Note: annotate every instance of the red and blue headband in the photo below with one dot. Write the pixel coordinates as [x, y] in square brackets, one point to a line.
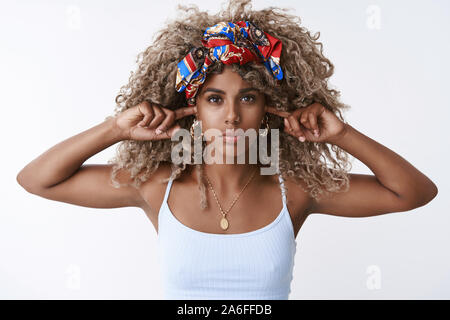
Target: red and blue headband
[228, 42]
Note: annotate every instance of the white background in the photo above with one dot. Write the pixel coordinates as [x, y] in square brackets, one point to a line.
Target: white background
[62, 64]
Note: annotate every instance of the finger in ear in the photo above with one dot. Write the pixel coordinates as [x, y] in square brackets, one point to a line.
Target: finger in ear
[304, 120]
[296, 127]
[313, 123]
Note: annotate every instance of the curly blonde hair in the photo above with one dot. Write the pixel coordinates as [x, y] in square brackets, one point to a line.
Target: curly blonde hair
[306, 72]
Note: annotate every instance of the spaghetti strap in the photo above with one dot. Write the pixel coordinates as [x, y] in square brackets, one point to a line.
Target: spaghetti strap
[168, 187]
[283, 189]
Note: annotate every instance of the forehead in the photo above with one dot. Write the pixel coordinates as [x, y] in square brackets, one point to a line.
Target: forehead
[228, 80]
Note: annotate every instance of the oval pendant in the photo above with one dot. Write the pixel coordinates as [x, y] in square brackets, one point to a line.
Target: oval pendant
[224, 223]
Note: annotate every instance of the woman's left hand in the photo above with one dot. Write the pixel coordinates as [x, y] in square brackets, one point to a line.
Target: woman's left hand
[313, 123]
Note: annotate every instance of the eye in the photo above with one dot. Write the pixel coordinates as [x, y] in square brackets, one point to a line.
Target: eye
[212, 97]
[216, 99]
[251, 98]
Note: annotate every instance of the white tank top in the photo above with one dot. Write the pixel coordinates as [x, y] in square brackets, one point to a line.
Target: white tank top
[250, 265]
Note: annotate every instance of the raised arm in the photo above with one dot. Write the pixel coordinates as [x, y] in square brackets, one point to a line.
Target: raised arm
[395, 186]
[59, 174]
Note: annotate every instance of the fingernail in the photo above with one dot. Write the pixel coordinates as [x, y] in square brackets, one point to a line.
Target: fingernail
[158, 131]
[316, 133]
[302, 139]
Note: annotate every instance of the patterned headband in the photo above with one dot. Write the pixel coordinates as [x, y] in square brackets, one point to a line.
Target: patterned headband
[228, 42]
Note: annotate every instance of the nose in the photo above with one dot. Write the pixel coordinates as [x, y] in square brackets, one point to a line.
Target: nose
[232, 113]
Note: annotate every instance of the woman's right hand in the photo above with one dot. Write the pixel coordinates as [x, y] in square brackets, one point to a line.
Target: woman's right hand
[143, 121]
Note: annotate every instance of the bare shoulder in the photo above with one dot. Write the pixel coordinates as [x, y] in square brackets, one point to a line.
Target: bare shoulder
[299, 201]
[152, 190]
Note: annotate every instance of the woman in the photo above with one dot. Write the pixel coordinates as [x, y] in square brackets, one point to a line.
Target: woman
[226, 230]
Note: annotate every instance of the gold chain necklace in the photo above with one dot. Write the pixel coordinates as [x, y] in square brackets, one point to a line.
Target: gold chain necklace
[224, 224]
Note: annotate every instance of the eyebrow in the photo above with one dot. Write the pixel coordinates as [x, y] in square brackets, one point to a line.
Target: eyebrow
[222, 92]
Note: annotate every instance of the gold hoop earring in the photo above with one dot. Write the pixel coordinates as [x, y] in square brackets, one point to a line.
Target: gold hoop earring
[267, 127]
[194, 124]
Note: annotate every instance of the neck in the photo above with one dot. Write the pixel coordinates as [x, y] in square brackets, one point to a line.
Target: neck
[229, 179]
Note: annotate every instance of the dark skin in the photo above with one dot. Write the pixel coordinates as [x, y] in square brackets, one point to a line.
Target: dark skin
[395, 186]
[59, 174]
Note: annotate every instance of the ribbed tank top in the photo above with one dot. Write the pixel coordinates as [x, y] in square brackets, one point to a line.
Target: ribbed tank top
[243, 266]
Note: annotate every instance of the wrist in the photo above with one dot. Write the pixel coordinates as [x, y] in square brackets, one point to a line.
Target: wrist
[342, 136]
[116, 132]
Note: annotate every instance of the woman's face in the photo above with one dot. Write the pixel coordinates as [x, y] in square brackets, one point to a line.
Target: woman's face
[226, 101]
